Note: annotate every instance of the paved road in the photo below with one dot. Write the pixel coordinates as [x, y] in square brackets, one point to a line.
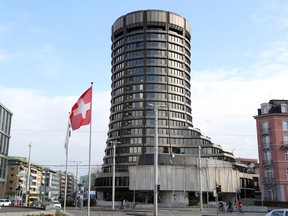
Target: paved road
[149, 212]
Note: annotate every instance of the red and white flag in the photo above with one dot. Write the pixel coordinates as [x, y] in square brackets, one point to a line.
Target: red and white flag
[81, 111]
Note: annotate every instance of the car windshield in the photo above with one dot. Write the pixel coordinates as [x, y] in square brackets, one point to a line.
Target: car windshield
[55, 201]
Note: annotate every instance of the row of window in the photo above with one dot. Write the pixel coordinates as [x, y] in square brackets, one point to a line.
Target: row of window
[268, 157]
[138, 150]
[152, 78]
[150, 44]
[159, 36]
[265, 126]
[5, 120]
[151, 122]
[119, 181]
[154, 70]
[267, 143]
[150, 113]
[161, 131]
[140, 104]
[151, 61]
[159, 96]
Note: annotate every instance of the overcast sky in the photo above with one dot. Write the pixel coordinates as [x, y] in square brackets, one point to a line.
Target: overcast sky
[50, 52]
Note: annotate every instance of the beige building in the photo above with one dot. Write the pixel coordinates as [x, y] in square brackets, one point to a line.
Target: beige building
[70, 185]
[16, 178]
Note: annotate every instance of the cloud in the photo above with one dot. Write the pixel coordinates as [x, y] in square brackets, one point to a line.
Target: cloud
[272, 15]
[43, 120]
[225, 100]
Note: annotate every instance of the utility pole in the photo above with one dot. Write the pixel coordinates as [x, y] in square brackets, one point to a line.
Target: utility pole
[114, 143]
[28, 177]
[200, 180]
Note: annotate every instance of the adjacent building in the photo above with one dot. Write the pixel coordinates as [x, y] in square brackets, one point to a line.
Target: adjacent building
[44, 183]
[70, 193]
[272, 134]
[5, 128]
[151, 95]
[50, 188]
[17, 181]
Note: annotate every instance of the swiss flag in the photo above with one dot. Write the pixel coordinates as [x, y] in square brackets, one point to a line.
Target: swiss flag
[81, 111]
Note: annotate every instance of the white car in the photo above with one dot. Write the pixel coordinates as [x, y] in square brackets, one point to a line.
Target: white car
[278, 212]
[5, 202]
[56, 203]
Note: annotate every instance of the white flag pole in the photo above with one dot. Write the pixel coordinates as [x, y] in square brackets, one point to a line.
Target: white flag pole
[66, 164]
[89, 167]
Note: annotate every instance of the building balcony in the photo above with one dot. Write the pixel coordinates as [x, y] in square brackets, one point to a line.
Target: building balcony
[267, 162]
[266, 146]
[284, 145]
[268, 180]
[264, 130]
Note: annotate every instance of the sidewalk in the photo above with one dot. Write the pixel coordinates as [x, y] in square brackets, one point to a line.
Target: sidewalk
[150, 212]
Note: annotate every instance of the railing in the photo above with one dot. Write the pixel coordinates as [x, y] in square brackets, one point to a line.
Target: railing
[264, 130]
[266, 145]
[268, 180]
[267, 162]
[284, 144]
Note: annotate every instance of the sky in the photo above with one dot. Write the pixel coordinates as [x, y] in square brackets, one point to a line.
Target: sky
[51, 51]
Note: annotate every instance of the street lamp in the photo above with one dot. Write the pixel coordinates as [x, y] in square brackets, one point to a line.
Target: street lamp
[113, 171]
[200, 179]
[28, 176]
[156, 158]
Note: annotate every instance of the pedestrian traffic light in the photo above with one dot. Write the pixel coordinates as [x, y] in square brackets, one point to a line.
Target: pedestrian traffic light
[158, 188]
[218, 189]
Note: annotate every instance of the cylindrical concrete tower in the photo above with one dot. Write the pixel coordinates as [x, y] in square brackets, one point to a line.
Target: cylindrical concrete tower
[150, 65]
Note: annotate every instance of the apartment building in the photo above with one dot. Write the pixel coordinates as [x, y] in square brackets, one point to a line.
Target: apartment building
[16, 178]
[272, 135]
[70, 185]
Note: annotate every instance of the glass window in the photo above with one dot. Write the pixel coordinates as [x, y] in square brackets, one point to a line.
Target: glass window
[285, 139]
[156, 53]
[284, 108]
[285, 125]
[286, 155]
[278, 213]
[266, 141]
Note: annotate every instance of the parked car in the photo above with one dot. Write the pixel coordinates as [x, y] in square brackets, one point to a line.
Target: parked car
[56, 204]
[5, 202]
[278, 212]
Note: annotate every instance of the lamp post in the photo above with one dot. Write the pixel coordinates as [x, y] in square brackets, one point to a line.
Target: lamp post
[200, 179]
[156, 158]
[28, 176]
[113, 171]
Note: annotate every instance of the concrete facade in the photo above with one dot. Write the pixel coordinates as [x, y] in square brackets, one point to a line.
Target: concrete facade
[5, 129]
[151, 65]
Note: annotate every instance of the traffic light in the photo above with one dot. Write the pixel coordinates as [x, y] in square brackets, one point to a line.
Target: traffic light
[218, 189]
[158, 188]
